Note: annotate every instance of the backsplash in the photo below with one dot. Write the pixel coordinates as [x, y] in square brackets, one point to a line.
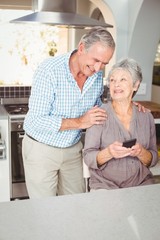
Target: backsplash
[15, 92]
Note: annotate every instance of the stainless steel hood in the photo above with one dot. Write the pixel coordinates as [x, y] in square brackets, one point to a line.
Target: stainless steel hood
[61, 13]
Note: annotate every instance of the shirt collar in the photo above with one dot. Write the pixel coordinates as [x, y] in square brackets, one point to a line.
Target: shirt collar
[70, 77]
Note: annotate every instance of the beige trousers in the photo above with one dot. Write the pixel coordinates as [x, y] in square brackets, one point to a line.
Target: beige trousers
[51, 171]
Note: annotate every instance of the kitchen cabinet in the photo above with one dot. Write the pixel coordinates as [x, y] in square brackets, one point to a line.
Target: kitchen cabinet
[154, 108]
[4, 158]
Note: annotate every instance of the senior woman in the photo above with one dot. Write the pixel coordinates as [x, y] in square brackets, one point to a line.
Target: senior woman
[112, 165]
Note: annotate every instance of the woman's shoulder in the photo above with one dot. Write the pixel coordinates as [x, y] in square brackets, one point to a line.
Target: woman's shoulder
[106, 105]
[144, 115]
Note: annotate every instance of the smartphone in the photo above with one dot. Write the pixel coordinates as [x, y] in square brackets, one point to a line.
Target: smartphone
[129, 143]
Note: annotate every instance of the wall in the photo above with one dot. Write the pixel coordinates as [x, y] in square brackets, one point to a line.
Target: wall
[156, 94]
[144, 42]
[108, 18]
[87, 8]
[15, 91]
[138, 33]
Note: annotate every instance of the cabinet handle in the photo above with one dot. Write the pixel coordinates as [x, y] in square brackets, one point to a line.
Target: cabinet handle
[2, 149]
[21, 135]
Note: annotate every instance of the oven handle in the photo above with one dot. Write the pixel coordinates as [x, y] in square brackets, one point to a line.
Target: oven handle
[21, 135]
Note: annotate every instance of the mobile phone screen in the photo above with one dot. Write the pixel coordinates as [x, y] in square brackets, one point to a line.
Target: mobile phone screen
[129, 143]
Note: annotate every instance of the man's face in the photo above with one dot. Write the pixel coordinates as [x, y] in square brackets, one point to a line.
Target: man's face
[94, 59]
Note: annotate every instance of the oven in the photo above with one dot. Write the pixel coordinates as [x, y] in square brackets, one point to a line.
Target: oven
[17, 112]
[18, 186]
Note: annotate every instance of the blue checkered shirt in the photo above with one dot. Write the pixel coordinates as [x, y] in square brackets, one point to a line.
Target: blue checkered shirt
[55, 95]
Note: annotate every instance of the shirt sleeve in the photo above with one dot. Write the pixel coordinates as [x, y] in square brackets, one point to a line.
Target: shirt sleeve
[99, 101]
[152, 143]
[92, 145]
[41, 102]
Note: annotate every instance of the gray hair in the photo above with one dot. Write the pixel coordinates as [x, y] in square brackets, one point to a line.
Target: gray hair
[129, 65]
[98, 34]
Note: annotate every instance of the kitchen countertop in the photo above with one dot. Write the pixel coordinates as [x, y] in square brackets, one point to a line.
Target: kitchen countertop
[123, 214]
[3, 101]
[154, 107]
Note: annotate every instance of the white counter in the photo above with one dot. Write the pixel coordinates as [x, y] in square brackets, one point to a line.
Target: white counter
[125, 214]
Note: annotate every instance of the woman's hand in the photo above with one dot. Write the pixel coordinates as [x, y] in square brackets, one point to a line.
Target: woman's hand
[142, 154]
[136, 150]
[114, 150]
[117, 151]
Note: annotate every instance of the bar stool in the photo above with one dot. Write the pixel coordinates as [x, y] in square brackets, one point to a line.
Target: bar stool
[86, 175]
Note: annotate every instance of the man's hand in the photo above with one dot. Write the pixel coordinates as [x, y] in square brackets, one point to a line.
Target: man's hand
[140, 107]
[95, 115]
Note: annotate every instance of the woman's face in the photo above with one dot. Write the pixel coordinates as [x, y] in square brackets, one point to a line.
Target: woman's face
[94, 59]
[121, 85]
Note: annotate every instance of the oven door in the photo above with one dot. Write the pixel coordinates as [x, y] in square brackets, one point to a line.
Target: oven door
[19, 190]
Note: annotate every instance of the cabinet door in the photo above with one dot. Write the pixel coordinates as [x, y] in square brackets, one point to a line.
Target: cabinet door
[4, 161]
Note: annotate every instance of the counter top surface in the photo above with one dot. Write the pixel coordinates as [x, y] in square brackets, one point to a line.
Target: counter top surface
[154, 107]
[123, 214]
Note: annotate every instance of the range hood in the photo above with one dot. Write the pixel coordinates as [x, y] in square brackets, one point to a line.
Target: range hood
[61, 13]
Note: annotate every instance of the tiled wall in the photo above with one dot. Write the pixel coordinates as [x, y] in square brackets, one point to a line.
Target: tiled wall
[15, 92]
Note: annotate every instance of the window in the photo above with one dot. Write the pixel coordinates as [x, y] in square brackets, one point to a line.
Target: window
[24, 46]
